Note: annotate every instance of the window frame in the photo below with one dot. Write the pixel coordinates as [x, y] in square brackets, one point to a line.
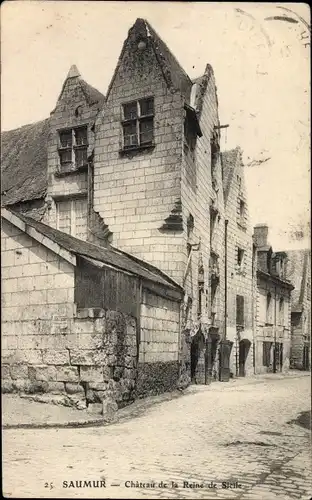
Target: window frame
[137, 121]
[72, 164]
[73, 214]
[240, 266]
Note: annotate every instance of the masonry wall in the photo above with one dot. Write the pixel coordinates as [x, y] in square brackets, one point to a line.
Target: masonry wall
[239, 281]
[198, 195]
[272, 327]
[135, 192]
[158, 368]
[65, 115]
[47, 347]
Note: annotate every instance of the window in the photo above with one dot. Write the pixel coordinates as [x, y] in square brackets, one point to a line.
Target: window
[239, 310]
[269, 309]
[281, 311]
[213, 222]
[241, 213]
[240, 259]
[189, 134]
[215, 151]
[73, 149]
[138, 123]
[72, 217]
[266, 358]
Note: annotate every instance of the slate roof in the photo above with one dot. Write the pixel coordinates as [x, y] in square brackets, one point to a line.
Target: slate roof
[110, 255]
[24, 163]
[297, 267]
[24, 156]
[228, 161]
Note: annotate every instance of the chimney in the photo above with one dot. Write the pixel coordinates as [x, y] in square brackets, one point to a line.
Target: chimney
[261, 235]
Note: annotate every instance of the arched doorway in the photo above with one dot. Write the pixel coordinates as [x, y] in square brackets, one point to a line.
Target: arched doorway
[244, 347]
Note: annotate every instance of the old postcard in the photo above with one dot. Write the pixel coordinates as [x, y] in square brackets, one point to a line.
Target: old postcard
[155, 250]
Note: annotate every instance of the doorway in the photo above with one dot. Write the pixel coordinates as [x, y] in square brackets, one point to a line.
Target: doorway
[244, 347]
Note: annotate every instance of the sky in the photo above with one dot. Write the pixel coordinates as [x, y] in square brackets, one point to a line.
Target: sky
[261, 66]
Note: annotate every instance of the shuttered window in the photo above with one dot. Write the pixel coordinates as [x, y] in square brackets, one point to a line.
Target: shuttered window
[72, 217]
[239, 310]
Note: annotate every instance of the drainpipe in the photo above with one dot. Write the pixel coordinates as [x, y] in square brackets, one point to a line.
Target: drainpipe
[225, 275]
[274, 326]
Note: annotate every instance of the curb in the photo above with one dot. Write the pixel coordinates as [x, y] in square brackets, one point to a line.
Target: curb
[133, 411]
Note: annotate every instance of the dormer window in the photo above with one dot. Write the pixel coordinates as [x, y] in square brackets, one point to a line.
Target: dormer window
[73, 148]
[138, 123]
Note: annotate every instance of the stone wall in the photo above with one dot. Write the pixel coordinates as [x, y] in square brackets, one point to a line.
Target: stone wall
[48, 347]
[135, 192]
[196, 200]
[64, 116]
[158, 369]
[239, 281]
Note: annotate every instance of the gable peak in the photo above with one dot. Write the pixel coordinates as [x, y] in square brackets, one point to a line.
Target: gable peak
[73, 72]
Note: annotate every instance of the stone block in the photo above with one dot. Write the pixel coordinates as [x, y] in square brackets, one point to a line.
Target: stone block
[98, 386]
[66, 374]
[5, 372]
[36, 387]
[72, 388]
[42, 373]
[91, 374]
[87, 357]
[19, 372]
[95, 408]
[7, 387]
[55, 357]
[109, 410]
[56, 387]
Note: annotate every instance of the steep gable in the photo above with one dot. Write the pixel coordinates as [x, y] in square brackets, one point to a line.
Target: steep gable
[144, 47]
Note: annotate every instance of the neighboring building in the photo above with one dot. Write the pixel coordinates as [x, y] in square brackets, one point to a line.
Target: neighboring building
[239, 262]
[273, 307]
[83, 321]
[299, 273]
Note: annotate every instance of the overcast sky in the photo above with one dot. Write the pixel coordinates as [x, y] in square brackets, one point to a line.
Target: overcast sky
[261, 67]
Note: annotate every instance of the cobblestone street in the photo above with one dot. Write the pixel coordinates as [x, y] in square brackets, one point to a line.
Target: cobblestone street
[217, 434]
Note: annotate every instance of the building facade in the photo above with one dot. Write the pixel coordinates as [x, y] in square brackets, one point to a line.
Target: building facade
[239, 266]
[299, 273]
[140, 170]
[273, 307]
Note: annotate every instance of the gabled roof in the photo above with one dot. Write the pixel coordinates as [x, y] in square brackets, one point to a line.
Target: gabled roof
[229, 161]
[199, 87]
[297, 269]
[24, 163]
[24, 153]
[109, 255]
[174, 75]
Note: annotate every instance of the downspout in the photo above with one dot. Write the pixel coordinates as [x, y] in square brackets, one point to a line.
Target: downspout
[274, 326]
[225, 275]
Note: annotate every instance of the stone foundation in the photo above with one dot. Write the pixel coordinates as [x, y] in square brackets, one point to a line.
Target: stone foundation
[156, 378]
[85, 361]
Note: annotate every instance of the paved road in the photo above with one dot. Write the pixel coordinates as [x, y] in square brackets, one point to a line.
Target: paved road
[236, 435]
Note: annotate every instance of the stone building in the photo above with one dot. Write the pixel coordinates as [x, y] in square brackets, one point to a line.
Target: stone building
[239, 265]
[140, 170]
[86, 323]
[299, 273]
[273, 307]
